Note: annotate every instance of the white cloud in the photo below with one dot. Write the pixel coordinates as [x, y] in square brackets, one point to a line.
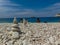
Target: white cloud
[8, 9]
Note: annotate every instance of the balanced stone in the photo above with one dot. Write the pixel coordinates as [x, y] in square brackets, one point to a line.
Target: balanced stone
[15, 35]
[15, 29]
[15, 25]
[15, 21]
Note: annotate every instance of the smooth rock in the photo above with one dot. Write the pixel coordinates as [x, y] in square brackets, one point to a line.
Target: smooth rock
[15, 25]
[15, 35]
[51, 39]
[25, 42]
[14, 29]
[9, 43]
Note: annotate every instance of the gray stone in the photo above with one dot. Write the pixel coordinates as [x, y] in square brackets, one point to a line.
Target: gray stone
[9, 43]
[15, 21]
[25, 42]
[15, 35]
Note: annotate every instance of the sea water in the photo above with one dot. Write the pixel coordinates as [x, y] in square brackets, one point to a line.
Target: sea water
[31, 19]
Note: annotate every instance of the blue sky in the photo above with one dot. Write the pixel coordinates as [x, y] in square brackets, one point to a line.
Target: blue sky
[28, 8]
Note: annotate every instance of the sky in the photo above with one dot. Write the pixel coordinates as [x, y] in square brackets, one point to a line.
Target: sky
[29, 8]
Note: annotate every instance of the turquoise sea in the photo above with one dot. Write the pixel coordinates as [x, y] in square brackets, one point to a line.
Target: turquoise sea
[31, 19]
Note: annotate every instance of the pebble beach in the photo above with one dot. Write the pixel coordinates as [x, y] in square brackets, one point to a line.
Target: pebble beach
[28, 33]
[32, 34]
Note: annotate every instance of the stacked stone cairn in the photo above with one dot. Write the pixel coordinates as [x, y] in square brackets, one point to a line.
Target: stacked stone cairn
[15, 30]
[25, 22]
